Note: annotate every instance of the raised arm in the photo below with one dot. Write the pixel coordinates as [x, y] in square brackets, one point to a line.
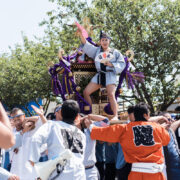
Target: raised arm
[158, 119]
[82, 32]
[40, 112]
[108, 134]
[82, 38]
[175, 125]
[7, 139]
[96, 117]
[100, 121]
[88, 48]
[4, 118]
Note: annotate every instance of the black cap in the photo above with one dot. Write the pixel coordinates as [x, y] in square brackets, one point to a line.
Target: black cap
[104, 35]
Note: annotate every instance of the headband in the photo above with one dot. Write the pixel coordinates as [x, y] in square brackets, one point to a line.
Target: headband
[12, 117]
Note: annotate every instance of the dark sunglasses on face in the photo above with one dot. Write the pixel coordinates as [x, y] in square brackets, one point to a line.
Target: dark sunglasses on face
[170, 119]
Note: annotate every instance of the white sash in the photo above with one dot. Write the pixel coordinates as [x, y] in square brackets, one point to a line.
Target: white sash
[147, 167]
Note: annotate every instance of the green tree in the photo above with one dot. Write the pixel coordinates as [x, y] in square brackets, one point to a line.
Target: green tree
[24, 73]
[150, 27]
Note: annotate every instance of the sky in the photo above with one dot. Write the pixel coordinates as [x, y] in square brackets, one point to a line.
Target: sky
[17, 16]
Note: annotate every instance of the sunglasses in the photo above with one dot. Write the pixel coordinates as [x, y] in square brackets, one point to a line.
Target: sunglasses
[170, 119]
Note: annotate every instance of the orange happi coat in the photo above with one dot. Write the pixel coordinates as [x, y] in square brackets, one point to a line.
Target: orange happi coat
[141, 141]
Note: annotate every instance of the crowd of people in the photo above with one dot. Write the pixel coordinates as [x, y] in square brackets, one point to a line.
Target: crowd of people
[142, 148]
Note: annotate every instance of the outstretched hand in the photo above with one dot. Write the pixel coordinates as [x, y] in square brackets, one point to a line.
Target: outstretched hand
[39, 111]
[28, 125]
[81, 30]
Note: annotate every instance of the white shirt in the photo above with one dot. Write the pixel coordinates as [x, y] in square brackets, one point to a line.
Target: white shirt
[90, 157]
[60, 136]
[20, 164]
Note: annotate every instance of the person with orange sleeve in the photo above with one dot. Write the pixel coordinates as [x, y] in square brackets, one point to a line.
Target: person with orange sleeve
[141, 142]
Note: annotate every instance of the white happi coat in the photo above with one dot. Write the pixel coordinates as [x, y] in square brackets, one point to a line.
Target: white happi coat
[20, 164]
[60, 136]
[117, 62]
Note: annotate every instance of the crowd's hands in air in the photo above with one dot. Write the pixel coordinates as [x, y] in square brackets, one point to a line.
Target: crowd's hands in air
[39, 111]
[28, 125]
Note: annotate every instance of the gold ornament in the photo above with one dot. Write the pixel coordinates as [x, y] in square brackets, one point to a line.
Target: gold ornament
[86, 108]
[60, 54]
[66, 96]
[120, 91]
[70, 74]
[130, 52]
[61, 71]
[71, 96]
[78, 88]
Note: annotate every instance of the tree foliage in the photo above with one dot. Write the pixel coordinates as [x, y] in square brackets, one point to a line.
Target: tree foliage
[24, 73]
[150, 27]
